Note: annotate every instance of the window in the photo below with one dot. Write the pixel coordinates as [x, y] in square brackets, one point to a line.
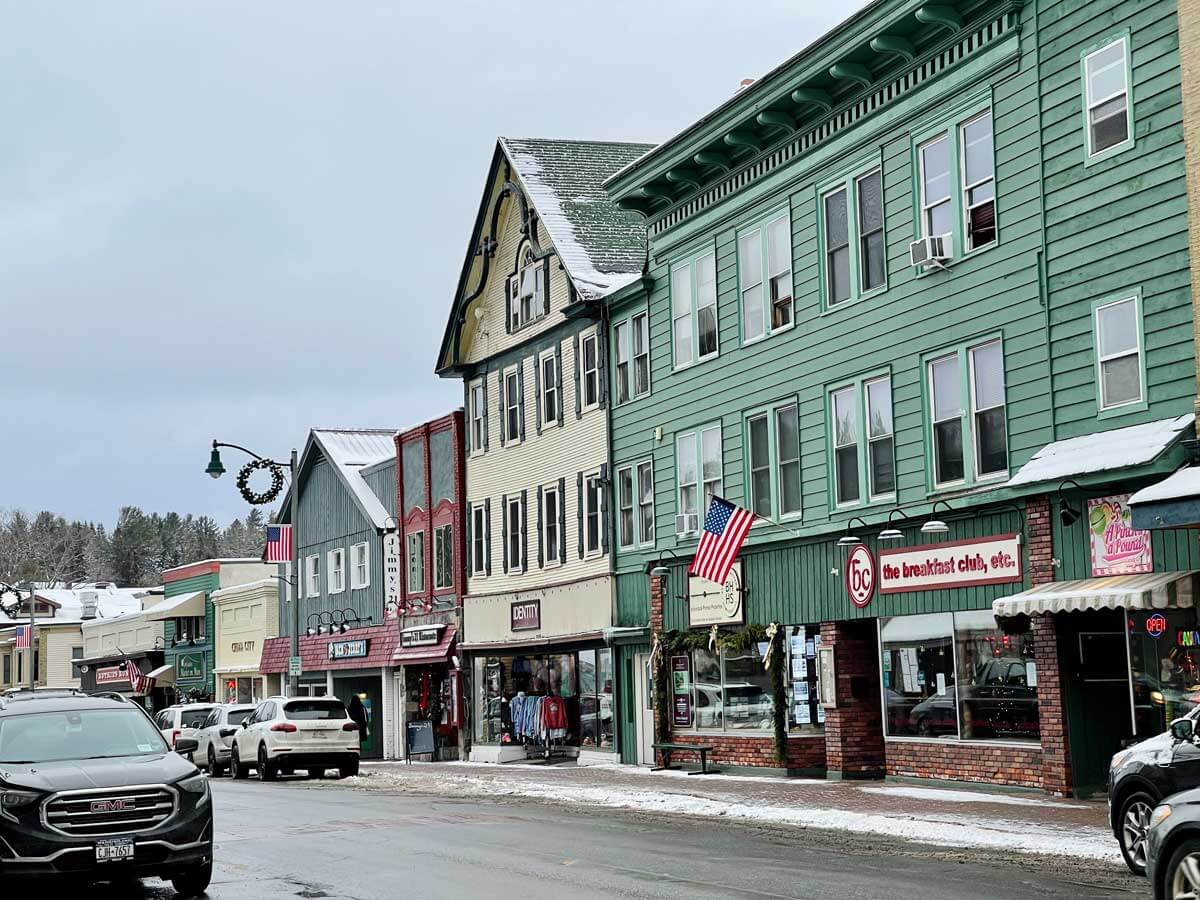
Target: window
[549, 387]
[774, 462]
[190, 628]
[479, 534]
[635, 505]
[881, 450]
[626, 514]
[1108, 116]
[633, 357]
[694, 309]
[416, 561]
[312, 568]
[512, 405]
[760, 466]
[645, 479]
[514, 535]
[478, 422]
[337, 571]
[591, 370]
[863, 444]
[551, 515]
[527, 292]
[845, 446]
[443, 557]
[965, 215]
[956, 675]
[968, 378]
[596, 698]
[360, 565]
[852, 225]
[7, 669]
[698, 465]
[1119, 360]
[936, 213]
[593, 500]
[979, 181]
[765, 249]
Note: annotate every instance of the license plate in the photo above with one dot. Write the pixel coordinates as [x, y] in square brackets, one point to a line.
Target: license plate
[114, 850]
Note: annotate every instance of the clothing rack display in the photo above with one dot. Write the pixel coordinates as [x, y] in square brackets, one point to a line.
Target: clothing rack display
[540, 722]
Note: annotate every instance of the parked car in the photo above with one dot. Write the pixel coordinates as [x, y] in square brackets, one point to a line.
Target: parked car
[182, 720]
[1173, 847]
[89, 789]
[286, 735]
[1139, 777]
[215, 736]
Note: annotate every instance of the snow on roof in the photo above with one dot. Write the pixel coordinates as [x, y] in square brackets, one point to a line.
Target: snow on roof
[1102, 451]
[602, 247]
[350, 450]
[1180, 485]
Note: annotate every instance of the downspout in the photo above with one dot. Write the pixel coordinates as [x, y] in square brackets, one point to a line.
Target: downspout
[1042, 273]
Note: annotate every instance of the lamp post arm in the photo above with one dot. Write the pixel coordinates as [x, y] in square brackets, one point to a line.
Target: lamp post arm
[249, 452]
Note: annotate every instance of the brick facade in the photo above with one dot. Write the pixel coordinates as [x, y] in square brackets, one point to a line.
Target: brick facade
[805, 753]
[990, 764]
[854, 745]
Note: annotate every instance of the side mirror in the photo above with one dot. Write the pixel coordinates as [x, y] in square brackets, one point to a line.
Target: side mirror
[186, 745]
[1183, 730]
[245, 723]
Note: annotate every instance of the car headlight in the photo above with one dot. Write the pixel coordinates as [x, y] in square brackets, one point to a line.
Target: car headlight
[196, 784]
[1119, 760]
[1160, 814]
[11, 799]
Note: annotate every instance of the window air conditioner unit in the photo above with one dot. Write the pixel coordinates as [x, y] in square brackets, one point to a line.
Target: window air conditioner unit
[930, 252]
[686, 523]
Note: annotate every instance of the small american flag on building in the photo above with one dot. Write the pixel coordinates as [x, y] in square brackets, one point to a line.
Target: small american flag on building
[139, 682]
[725, 530]
[279, 544]
[23, 637]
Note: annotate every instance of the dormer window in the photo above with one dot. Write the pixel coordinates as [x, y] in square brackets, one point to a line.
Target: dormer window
[527, 291]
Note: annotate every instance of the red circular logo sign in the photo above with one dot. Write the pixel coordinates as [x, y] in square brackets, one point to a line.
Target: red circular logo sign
[1156, 625]
[860, 576]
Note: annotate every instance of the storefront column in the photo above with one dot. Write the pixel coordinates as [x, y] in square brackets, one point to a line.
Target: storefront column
[656, 629]
[387, 701]
[854, 728]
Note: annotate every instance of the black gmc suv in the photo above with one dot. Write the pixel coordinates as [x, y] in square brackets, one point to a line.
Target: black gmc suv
[90, 790]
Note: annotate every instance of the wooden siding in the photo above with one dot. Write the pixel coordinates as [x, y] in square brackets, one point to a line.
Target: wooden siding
[382, 482]
[633, 599]
[208, 583]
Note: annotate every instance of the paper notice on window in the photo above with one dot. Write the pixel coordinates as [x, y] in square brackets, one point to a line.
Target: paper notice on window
[796, 645]
[1031, 674]
[800, 691]
[802, 714]
[799, 668]
[941, 683]
[810, 649]
[820, 715]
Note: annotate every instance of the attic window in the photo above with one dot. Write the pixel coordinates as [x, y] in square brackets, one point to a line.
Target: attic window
[527, 292]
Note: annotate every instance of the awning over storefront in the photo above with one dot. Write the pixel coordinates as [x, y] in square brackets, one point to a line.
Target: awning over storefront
[1173, 502]
[164, 676]
[562, 640]
[1161, 590]
[427, 654]
[180, 607]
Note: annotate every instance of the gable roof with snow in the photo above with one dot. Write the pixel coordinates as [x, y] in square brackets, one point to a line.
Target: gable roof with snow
[349, 451]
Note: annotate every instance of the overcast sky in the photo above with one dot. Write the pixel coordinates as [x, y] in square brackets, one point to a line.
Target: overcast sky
[239, 220]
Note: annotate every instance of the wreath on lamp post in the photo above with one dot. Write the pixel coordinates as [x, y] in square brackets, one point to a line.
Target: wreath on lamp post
[256, 498]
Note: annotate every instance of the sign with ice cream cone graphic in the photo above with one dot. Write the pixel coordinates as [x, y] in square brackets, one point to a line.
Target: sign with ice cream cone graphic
[1117, 547]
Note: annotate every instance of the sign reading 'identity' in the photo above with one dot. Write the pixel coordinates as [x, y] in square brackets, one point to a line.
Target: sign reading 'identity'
[527, 615]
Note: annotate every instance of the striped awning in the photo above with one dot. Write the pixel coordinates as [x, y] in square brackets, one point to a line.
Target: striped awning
[1159, 590]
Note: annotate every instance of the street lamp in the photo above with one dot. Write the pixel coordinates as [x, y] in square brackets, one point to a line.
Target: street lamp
[215, 469]
[849, 539]
[934, 525]
[891, 534]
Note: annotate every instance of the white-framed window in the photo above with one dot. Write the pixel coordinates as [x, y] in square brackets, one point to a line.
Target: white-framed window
[937, 216]
[988, 416]
[312, 575]
[645, 501]
[881, 451]
[337, 571]
[945, 387]
[550, 537]
[773, 457]
[590, 348]
[851, 225]
[765, 277]
[699, 475]
[415, 544]
[360, 565]
[514, 513]
[479, 535]
[631, 338]
[845, 446]
[968, 378]
[965, 214]
[979, 181]
[512, 405]
[550, 388]
[1108, 113]
[836, 207]
[443, 557]
[694, 309]
[527, 292]
[478, 422]
[624, 350]
[635, 505]
[1120, 365]
[593, 503]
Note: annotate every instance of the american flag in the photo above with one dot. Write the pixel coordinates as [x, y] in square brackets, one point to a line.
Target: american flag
[23, 637]
[279, 544]
[725, 530]
[139, 682]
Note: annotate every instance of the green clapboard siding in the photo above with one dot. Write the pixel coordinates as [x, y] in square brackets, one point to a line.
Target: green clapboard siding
[633, 599]
[208, 583]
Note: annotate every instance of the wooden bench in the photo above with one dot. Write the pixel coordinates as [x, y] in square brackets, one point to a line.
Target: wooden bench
[702, 749]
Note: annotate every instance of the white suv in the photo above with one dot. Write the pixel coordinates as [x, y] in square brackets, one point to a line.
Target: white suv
[290, 734]
[182, 720]
[215, 739]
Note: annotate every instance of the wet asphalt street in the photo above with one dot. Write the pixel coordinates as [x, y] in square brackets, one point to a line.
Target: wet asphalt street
[293, 839]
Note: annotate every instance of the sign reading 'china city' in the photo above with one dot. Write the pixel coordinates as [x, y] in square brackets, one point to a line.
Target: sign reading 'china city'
[954, 564]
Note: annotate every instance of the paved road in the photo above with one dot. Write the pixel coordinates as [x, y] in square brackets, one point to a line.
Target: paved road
[288, 840]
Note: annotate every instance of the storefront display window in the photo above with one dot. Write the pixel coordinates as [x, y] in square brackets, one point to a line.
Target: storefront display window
[1164, 657]
[504, 684]
[957, 675]
[595, 698]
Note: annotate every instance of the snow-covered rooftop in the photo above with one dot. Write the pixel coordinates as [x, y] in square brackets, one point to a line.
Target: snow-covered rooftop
[351, 450]
[1177, 486]
[1103, 451]
[110, 602]
[602, 247]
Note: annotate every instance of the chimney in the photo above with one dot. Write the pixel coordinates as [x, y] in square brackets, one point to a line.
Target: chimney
[87, 603]
[746, 82]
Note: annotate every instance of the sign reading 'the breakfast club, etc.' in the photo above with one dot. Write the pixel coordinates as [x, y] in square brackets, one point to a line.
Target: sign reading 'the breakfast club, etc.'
[953, 564]
[716, 604]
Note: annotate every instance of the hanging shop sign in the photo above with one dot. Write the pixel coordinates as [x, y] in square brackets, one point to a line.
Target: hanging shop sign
[681, 690]
[526, 615]
[710, 605]
[860, 576]
[110, 675]
[1117, 547]
[421, 637]
[954, 564]
[391, 573]
[355, 649]
[189, 667]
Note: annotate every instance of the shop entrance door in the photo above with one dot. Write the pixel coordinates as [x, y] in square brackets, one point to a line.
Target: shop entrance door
[644, 720]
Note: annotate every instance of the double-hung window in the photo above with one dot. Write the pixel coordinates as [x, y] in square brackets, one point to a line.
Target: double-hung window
[632, 340]
[593, 503]
[621, 339]
[550, 388]
[512, 405]
[635, 505]
[312, 575]
[956, 177]
[337, 571]
[967, 449]
[416, 561]
[694, 309]
[1120, 362]
[765, 277]
[360, 565]
[774, 462]
[479, 536]
[478, 422]
[863, 441]
[443, 557]
[698, 474]
[1108, 112]
[527, 292]
[551, 515]
[590, 347]
[514, 534]
[854, 259]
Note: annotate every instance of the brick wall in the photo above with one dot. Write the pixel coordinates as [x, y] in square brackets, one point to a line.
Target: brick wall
[854, 745]
[804, 752]
[951, 761]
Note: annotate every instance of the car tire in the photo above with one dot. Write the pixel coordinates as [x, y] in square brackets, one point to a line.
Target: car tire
[1174, 878]
[316, 773]
[348, 769]
[214, 768]
[267, 770]
[192, 882]
[1132, 823]
[236, 769]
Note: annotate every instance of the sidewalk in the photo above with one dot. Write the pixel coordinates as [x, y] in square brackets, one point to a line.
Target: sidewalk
[962, 818]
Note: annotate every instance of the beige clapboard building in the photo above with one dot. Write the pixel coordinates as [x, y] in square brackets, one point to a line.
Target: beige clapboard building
[526, 336]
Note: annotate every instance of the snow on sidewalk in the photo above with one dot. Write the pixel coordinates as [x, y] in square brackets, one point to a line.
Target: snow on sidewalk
[925, 815]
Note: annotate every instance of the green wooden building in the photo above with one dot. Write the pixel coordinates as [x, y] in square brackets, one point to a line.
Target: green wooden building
[919, 297]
